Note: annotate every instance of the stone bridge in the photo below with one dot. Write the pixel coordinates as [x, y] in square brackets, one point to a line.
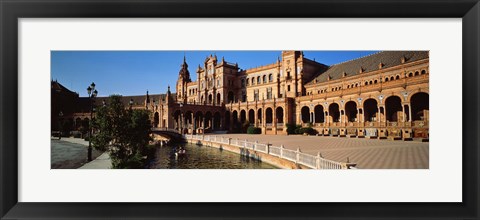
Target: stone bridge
[168, 133]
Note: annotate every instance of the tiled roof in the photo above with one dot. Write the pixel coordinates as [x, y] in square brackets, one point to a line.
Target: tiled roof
[368, 64]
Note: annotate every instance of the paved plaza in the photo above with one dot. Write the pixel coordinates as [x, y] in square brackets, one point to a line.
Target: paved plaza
[367, 153]
[70, 153]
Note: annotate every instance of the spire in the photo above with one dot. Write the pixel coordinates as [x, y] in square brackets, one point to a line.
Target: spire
[148, 97]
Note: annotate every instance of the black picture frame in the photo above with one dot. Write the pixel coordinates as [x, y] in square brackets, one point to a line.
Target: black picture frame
[12, 10]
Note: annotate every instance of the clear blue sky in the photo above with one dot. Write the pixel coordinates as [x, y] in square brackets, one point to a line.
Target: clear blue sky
[135, 72]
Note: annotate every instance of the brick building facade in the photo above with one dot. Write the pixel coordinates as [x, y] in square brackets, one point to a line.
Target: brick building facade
[382, 95]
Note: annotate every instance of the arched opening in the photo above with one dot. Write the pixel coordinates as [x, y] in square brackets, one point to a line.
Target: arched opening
[208, 121]
[251, 116]
[305, 111]
[334, 112]
[210, 99]
[198, 120]
[351, 111]
[218, 98]
[188, 118]
[268, 115]
[156, 119]
[230, 97]
[279, 114]
[176, 118]
[78, 123]
[235, 117]
[393, 107]
[243, 116]
[227, 120]
[370, 107]
[270, 78]
[264, 79]
[420, 104]
[319, 114]
[259, 116]
[217, 119]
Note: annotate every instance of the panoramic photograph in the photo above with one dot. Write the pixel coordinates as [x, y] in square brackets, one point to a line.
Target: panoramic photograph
[239, 110]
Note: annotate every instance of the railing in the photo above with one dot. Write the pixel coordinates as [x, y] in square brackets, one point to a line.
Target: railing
[296, 156]
[166, 129]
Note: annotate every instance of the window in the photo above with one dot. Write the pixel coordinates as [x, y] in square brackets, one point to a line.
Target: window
[423, 72]
[248, 81]
[269, 93]
[258, 80]
[288, 88]
[264, 79]
[270, 77]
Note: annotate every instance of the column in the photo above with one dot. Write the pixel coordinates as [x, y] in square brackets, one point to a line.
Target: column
[403, 113]
[409, 112]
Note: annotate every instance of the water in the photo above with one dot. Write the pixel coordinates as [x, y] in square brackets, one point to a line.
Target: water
[203, 157]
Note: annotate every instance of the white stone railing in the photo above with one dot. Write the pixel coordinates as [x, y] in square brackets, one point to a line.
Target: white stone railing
[296, 156]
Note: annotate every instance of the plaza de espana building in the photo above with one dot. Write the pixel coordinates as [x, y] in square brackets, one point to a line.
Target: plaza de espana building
[383, 95]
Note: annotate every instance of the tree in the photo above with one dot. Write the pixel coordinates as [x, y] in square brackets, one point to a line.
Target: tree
[124, 133]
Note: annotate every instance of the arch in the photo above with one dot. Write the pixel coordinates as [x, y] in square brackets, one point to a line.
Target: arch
[210, 99]
[305, 113]
[386, 79]
[217, 120]
[393, 108]
[78, 123]
[397, 77]
[370, 107]
[208, 120]
[420, 105]
[258, 80]
[270, 77]
[248, 81]
[227, 120]
[156, 119]
[351, 111]
[264, 79]
[268, 115]
[251, 116]
[392, 78]
[279, 114]
[334, 112]
[375, 81]
[417, 73]
[259, 115]
[218, 98]
[410, 74]
[253, 81]
[319, 114]
[230, 97]
[423, 72]
[243, 116]
[235, 117]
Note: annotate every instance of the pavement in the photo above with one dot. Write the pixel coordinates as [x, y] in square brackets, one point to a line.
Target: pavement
[71, 153]
[366, 153]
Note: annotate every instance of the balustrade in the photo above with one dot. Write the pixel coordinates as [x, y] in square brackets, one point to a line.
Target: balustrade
[311, 161]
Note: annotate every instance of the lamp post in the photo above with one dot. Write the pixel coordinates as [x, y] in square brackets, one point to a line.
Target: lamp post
[130, 103]
[92, 93]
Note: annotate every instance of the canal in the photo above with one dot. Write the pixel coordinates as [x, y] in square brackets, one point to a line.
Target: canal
[203, 157]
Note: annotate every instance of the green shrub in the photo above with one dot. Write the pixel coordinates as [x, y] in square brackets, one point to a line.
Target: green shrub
[308, 130]
[245, 126]
[254, 130]
[298, 129]
[290, 128]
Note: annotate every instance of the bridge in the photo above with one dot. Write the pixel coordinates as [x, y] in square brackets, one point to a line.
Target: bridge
[169, 133]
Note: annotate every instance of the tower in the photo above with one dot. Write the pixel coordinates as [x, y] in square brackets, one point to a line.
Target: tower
[183, 80]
